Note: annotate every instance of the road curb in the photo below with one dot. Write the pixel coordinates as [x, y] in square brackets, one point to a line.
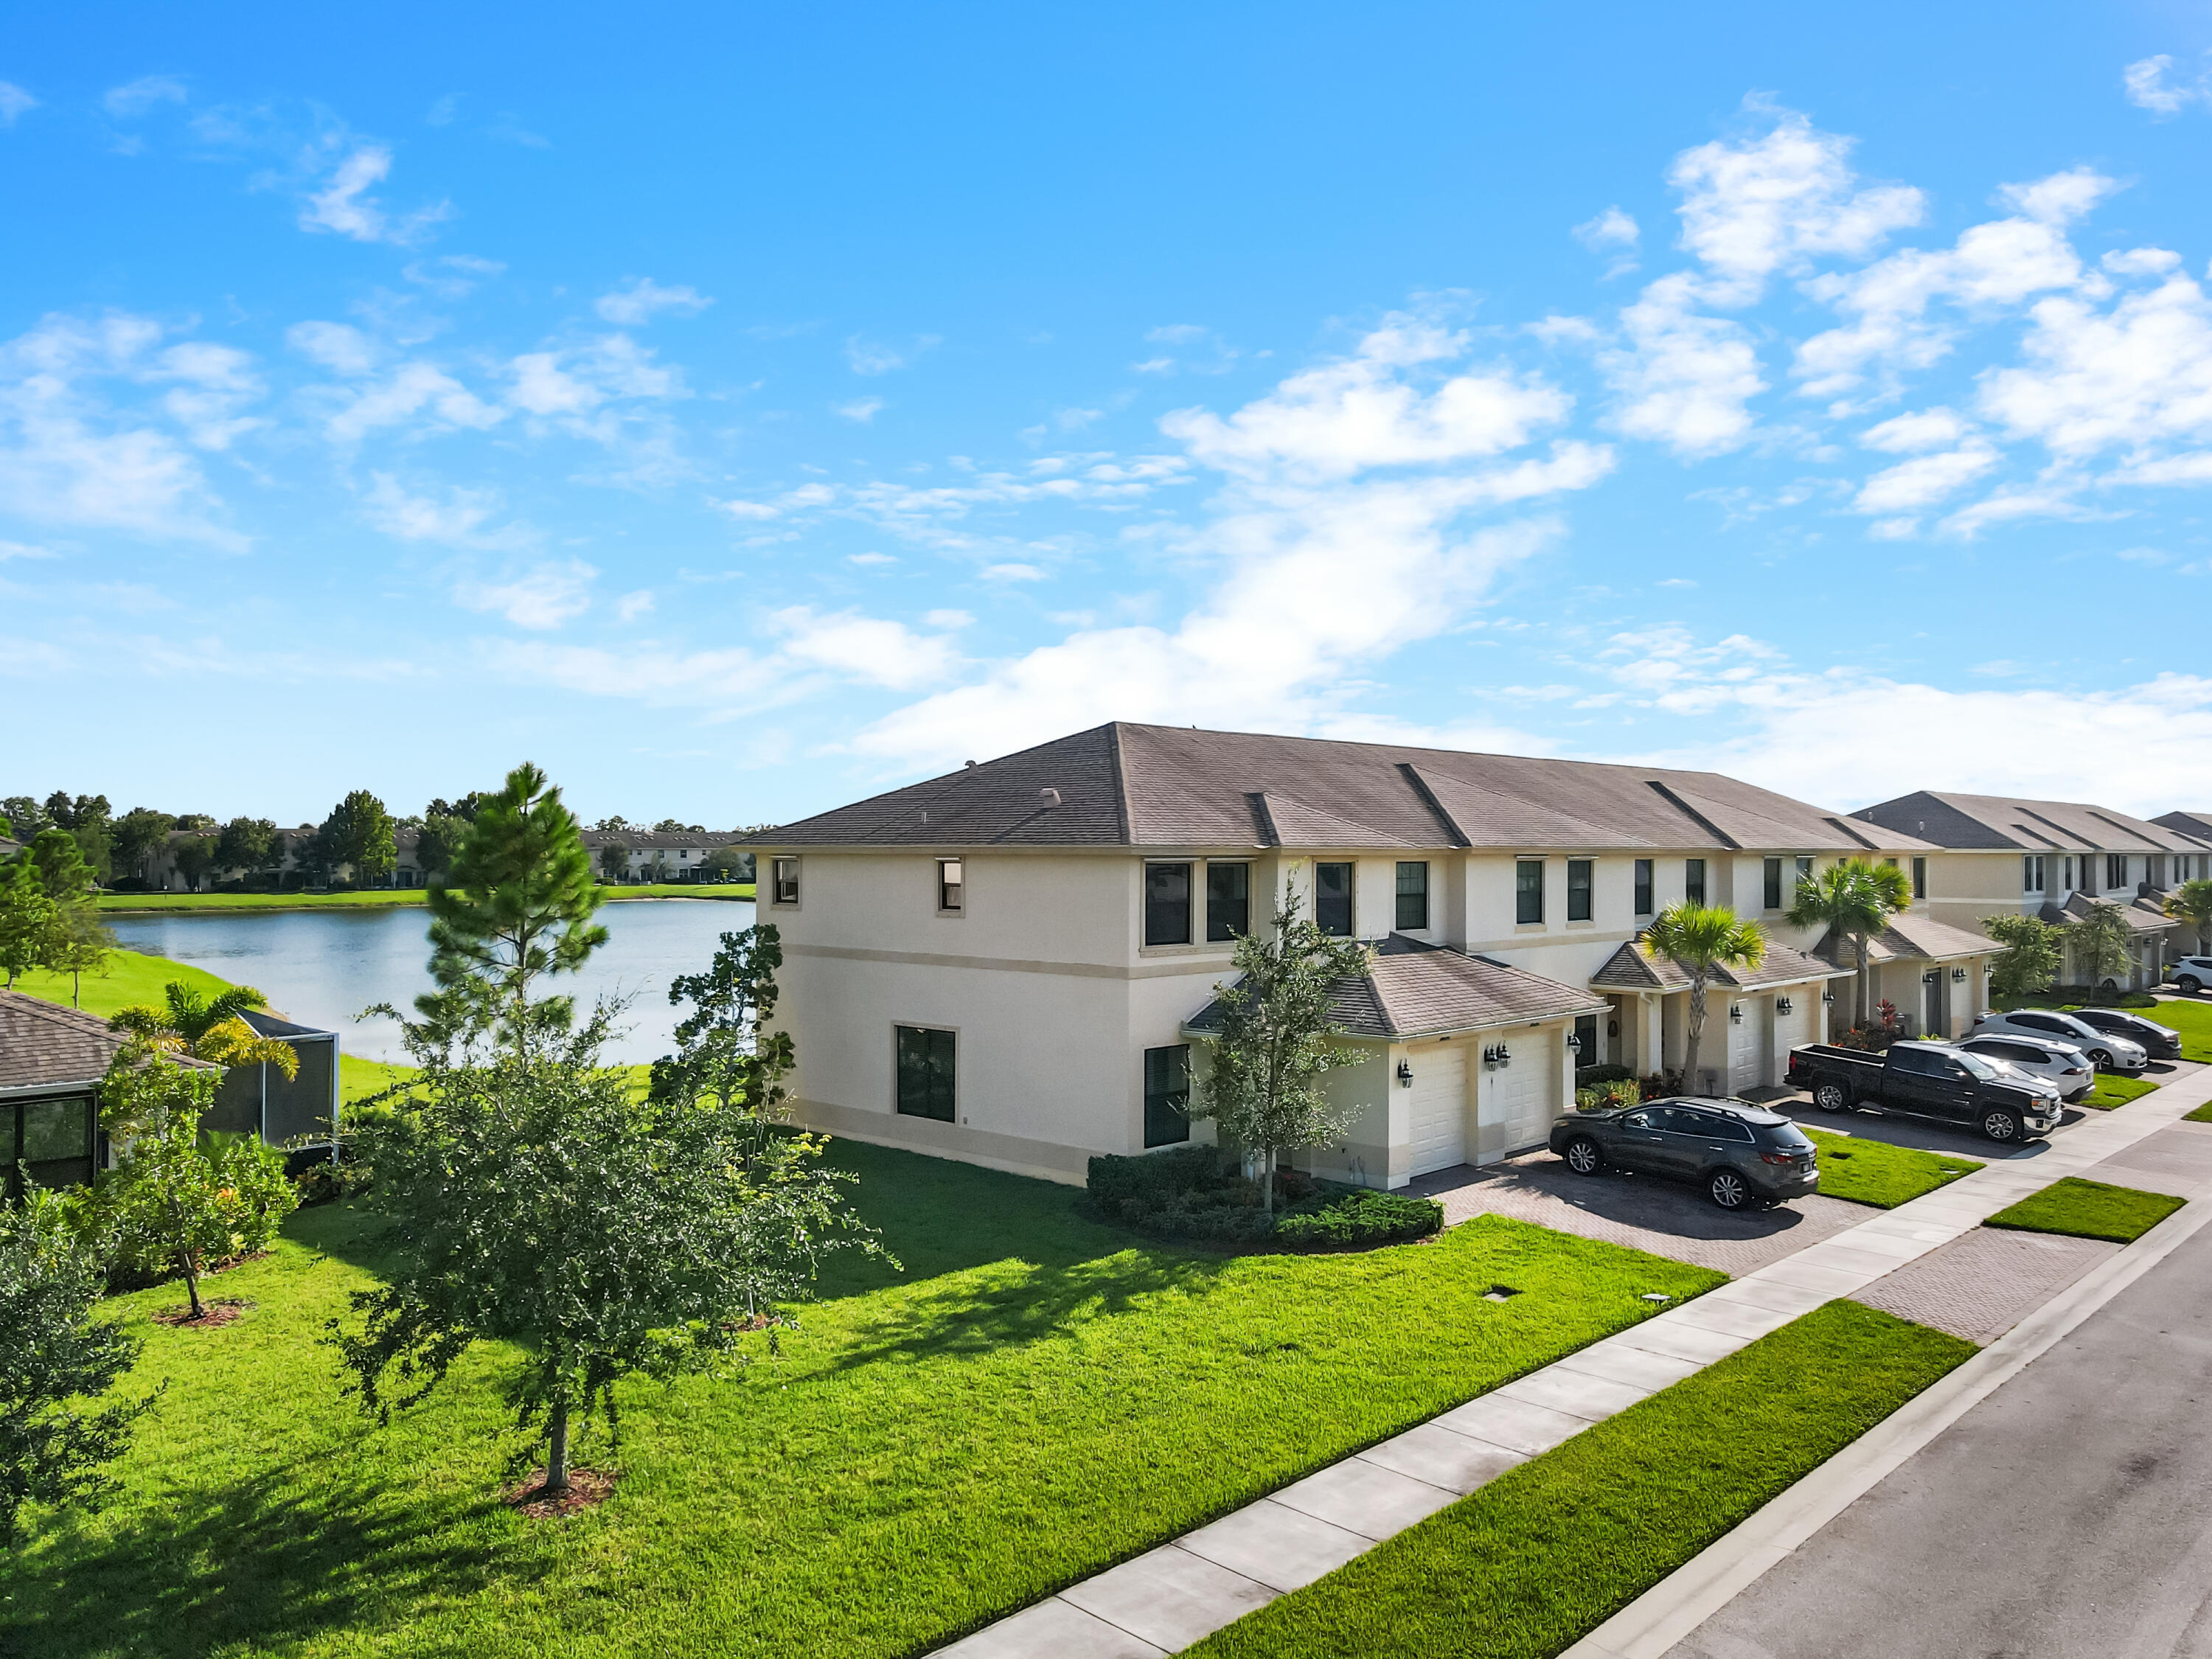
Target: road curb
[1674, 1608]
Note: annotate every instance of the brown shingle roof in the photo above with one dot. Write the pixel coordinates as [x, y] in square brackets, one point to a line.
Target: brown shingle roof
[2143, 917]
[1630, 968]
[1908, 938]
[2196, 824]
[1971, 822]
[1173, 786]
[1412, 989]
[46, 1046]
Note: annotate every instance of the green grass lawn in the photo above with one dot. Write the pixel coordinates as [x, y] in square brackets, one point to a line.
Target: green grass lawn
[1549, 1551]
[1036, 1397]
[131, 979]
[384, 898]
[2193, 1020]
[2111, 1090]
[2088, 1209]
[2202, 1115]
[1874, 1172]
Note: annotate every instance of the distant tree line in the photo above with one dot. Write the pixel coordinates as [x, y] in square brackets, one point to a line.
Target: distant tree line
[360, 836]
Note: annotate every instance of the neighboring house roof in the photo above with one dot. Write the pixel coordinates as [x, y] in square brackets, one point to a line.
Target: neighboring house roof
[272, 1025]
[1122, 785]
[1968, 822]
[1412, 989]
[2143, 918]
[44, 1046]
[1908, 938]
[2199, 825]
[1632, 968]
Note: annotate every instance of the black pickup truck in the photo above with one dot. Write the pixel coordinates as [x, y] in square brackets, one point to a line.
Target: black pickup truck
[1931, 1080]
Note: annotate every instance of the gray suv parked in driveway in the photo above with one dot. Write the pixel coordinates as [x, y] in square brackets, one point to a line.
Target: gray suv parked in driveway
[1741, 1154]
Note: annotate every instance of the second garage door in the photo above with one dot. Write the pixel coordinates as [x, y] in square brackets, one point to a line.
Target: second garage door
[1439, 1107]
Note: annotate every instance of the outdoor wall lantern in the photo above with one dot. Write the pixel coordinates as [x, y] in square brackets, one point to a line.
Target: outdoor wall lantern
[1499, 1056]
[1958, 977]
[1574, 1043]
[1828, 998]
[1930, 977]
[1735, 1013]
[1405, 1075]
[1784, 1007]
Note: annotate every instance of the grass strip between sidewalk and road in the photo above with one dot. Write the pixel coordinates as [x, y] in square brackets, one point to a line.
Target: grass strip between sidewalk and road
[1874, 1172]
[2088, 1209]
[2111, 1091]
[1550, 1550]
[2202, 1115]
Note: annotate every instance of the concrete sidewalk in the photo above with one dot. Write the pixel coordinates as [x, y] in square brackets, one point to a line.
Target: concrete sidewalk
[1175, 1594]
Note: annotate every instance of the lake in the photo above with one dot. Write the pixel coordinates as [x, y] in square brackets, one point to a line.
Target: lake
[323, 967]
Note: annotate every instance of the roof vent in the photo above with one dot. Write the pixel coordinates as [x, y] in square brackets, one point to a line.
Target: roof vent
[1048, 798]
[969, 766]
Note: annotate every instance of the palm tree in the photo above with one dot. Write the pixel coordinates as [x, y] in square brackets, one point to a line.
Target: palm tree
[209, 1028]
[1701, 938]
[1855, 899]
[2191, 902]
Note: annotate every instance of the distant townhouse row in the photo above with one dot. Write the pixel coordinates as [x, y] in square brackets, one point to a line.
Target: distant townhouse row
[1015, 964]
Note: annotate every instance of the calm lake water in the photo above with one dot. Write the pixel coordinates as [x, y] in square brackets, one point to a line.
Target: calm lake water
[323, 967]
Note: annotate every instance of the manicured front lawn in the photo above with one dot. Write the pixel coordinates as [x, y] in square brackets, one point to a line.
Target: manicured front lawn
[2112, 1091]
[1874, 1172]
[2193, 1020]
[131, 979]
[1036, 1397]
[2088, 1209]
[1549, 1551]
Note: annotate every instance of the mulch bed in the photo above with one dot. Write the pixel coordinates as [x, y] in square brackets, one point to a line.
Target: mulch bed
[587, 1489]
[220, 1310]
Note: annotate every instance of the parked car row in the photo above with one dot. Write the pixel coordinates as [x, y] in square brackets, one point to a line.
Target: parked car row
[2113, 1038]
[1940, 1081]
[2191, 974]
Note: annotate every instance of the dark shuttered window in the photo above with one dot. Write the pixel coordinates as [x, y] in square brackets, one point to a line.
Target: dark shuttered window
[925, 1073]
[1228, 902]
[1167, 904]
[1167, 1096]
[1332, 899]
[1412, 898]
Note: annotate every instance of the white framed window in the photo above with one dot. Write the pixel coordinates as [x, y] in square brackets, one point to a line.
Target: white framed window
[783, 882]
[951, 886]
[2031, 872]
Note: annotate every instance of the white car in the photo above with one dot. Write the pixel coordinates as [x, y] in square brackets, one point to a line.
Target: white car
[2114, 1053]
[2191, 974]
[2055, 1062]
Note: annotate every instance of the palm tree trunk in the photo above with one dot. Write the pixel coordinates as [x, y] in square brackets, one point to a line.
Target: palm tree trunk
[1696, 1033]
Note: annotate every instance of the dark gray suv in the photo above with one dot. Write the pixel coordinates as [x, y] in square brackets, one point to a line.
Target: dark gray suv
[1742, 1154]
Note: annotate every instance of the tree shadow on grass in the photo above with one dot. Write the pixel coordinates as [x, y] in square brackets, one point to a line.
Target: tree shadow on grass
[265, 1563]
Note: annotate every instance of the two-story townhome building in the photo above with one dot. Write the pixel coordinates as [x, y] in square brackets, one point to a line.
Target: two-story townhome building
[2000, 855]
[1014, 964]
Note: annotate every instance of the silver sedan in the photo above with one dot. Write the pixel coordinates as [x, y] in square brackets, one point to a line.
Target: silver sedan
[2060, 1064]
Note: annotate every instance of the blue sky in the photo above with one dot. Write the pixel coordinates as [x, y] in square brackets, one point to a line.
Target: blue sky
[738, 412]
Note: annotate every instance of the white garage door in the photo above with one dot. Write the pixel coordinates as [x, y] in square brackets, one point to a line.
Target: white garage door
[1745, 1070]
[1439, 1106]
[1520, 1100]
[1795, 1028]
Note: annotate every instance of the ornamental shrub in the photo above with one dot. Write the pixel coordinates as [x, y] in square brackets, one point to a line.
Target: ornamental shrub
[1362, 1218]
[1593, 1076]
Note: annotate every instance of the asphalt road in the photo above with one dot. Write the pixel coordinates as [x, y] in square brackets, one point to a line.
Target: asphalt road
[2069, 1514]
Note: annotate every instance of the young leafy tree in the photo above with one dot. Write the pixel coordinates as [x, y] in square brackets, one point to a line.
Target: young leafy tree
[358, 832]
[2191, 902]
[2029, 960]
[77, 944]
[614, 860]
[246, 845]
[540, 1204]
[61, 866]
[26, 919]
[138, 834]
[2103, 944]
[516, 905]
[57, 1361]
[722, 1053]
[194, 856]
[207, 1028]
[1701, 938]
[1277, 1040]
[178, 1199]
[1855, 900]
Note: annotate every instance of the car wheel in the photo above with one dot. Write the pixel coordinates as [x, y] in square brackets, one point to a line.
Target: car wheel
[1584, 1156]
[2190, 986]
[1729, 1190]
[1831, 1097]
[2101, 1057]
[2001, 1125]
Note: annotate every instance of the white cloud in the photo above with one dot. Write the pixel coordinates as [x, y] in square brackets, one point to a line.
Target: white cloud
[411, 390]
[1925, 479]
[2149, 86]
[1614, 233]
[1010, 573]
[14, 101]
[135, 98]
[631, 606]
[1685, 379]
[863, 409]
[640, 672]
[339, 347]
[870, 561]
[540, 598]
[23, 550]
[458, 518]
[344, 205]
[644, 299]
[1364, 411]
[873, 357]
[2137, 375]
[1991, 267]
[1906, 434]
[869, 649]
[451, 276]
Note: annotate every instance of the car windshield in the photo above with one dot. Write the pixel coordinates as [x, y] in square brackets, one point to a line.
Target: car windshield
[1977, 1065]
